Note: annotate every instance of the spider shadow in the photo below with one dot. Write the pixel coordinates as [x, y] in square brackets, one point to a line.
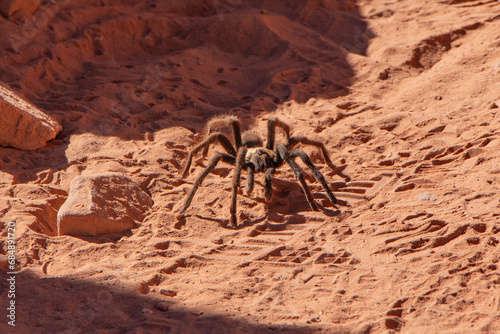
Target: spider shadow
[289, 198]
[224, 223]
[288, 206]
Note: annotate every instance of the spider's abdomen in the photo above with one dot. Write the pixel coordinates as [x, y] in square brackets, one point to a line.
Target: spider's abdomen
[251, 139]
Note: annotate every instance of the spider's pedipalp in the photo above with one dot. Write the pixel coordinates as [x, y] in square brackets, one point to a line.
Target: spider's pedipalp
[213, 162]
[261, 158]
[317, 174]
[268, 185]
[250, 180]
[223, 140]
[257, 161]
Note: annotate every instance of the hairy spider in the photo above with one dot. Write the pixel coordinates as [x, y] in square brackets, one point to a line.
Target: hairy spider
[249, 152]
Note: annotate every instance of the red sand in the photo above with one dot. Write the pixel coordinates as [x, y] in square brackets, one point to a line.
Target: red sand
[405, 93]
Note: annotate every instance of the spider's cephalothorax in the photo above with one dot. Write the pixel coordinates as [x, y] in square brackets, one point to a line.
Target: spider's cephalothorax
[249, 152]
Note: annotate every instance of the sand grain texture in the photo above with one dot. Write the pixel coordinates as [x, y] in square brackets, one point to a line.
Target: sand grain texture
[404, 94]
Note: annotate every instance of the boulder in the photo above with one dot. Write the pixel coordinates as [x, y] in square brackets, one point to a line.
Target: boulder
[104, 203]
[22, 125]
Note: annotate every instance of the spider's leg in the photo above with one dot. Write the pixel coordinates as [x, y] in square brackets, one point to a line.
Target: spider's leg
[268, 185]
[298, 175]
[293, 141]
[220, 122]
[285, 127]
[240, 162]
[250, 180]
[317, 174]
[223, 140]
[271, 133]
[213, 162]
[272, 122]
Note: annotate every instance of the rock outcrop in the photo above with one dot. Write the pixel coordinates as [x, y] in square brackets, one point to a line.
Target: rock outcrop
[22, 125]
[105, 203]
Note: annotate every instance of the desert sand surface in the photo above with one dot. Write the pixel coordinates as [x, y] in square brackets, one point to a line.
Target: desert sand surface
[404, 94]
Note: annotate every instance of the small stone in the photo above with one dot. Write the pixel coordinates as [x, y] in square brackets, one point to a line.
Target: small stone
[162, 245]
[384, 75]
[168, 293]
[146, 311]
[493, 106]
[427, 197]
[314, 319]
[218, 241]
[162, 306]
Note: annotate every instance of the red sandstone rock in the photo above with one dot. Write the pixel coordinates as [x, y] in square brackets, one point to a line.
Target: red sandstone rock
[105, 203]
[22, 124]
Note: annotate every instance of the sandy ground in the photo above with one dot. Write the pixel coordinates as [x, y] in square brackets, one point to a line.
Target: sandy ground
[405, 93]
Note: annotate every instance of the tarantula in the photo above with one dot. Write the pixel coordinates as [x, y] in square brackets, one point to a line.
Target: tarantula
[249, 152]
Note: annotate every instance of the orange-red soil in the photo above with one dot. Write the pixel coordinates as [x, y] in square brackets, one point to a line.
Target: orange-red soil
[405, 93]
